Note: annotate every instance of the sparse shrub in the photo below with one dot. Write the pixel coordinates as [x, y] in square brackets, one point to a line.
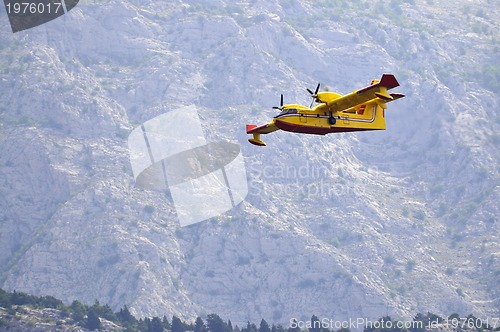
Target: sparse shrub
[393, 190]
[389, 260]
[324, 226]
[243, 261]
[149, 209]
[436, 189]
[410, 265]
[334, 242]
[306, 283]
[441, 211]
[420, 215]
[405, 211]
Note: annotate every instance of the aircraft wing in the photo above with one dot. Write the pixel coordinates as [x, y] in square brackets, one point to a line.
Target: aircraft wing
[257, 130]
[378, 90]
[264, 129]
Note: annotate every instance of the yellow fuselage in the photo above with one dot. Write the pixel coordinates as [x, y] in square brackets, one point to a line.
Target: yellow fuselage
[300, 119]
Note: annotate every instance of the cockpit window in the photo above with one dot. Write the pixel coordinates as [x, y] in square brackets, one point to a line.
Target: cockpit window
[289, 111]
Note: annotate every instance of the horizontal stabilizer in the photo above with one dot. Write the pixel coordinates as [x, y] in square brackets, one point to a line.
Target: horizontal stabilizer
[396, 96]
[384, 96]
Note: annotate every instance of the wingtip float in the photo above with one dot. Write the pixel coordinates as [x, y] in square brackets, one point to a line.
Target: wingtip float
[359, 110]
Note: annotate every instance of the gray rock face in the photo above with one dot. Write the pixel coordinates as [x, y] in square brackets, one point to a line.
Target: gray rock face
[342, 226]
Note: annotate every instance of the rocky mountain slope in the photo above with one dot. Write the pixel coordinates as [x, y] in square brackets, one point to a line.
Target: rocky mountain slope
[26, 318]
[341, 226]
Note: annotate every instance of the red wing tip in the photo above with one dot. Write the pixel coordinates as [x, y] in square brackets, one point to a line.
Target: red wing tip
[250, 127]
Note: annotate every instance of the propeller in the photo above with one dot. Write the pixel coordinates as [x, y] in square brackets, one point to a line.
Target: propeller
[314, 94]
[281, 104]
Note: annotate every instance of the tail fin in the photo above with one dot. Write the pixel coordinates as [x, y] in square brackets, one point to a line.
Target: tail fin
[388, 81]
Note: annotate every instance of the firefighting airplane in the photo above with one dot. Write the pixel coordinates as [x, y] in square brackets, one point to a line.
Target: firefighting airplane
[357, 111]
